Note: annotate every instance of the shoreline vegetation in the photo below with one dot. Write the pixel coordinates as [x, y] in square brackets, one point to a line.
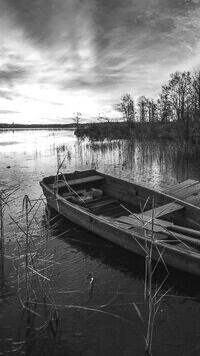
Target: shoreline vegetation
[174, 115]
[152, 132]
[121, 130]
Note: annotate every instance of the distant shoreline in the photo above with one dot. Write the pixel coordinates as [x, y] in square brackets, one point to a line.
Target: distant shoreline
[37, 126]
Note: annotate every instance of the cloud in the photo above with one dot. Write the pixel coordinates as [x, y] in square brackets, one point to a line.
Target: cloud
[87, 53]
[11, 73]
[6, 94]
[8, 112]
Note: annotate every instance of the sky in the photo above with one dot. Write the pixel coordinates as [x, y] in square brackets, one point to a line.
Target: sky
[60, 57]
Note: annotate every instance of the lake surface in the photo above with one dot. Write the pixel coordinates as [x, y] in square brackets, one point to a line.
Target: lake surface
[93, 283]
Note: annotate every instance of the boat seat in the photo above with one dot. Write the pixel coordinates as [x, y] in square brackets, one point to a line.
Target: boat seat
[63, 183]
[137, 220]
[145, 218]
[162, 210]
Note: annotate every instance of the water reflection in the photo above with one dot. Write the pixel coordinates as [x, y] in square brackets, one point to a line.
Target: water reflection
[130, 264]
[118, 282]
[155, 164]
[118, 275]
[33, 154]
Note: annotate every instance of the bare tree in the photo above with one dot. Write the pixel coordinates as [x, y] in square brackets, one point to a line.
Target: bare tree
[152, 110]
[77, 119]
[127, 108]
[196, 93]
[103, 117]
[143, 110]
[164, 105]
[180, 94]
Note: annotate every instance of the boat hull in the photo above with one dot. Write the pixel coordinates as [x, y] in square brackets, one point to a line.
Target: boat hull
[185, 260]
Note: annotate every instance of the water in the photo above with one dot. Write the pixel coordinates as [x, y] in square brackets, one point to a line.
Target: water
[94, 282]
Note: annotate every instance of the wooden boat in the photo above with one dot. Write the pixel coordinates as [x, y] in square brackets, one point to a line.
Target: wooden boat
[132, 216]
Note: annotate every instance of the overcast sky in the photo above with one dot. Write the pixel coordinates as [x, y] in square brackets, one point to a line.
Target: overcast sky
[58, 57]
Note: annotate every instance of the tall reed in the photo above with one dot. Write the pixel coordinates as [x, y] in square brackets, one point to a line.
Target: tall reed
[152, 296]
[2, 247]
[6, 197]
[34, 265]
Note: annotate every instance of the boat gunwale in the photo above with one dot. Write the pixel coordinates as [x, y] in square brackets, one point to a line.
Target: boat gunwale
[153, 191]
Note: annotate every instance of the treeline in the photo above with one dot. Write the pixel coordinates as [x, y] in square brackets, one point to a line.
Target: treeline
[175, 114]
[179, 101]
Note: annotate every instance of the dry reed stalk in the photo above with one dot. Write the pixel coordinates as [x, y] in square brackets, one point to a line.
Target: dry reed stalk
[2, 242]
[151, 294]
[34, 267]
[6, 197]
[26, 203]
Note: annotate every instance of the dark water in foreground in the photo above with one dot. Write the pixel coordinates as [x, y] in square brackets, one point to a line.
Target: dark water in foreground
[93, 282]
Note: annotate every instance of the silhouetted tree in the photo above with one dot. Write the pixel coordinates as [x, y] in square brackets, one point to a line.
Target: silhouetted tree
[152, 110]
[127, 108]
[142, 106]
[196, 94]
[77, 119]
[179, 88]
[165, 111]
[103, 117]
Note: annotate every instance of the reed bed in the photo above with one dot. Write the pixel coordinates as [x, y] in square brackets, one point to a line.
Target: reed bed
[153, 295]
[2, 242]
[33, 270]
[6, 198]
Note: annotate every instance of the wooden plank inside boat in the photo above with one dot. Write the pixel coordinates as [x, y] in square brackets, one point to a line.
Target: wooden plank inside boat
[112, 209]
[194, 199]
[162, 231]
[146, 218]
[85, 180]
[190, 191]
[136, 221]
[100, 202]
[163, 210]
[177, 188]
